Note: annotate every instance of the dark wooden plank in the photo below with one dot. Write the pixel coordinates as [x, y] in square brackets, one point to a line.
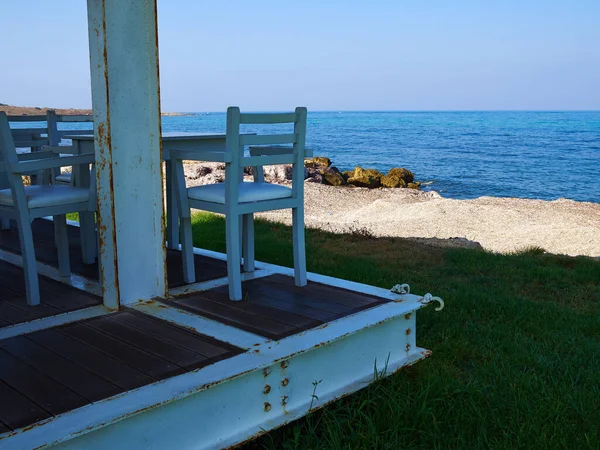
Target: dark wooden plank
[147, 342]
[43, 233]
[271, 308]
[205, 268]
[14, 315]
[330, 294]
[79, 380]
[3, 323]
[45, 392]
[17, 411]
[106, 367]
[32, 312]
[72, 300]
[232, 316]
[177, 335]
[3, 428]
[56, 297]
[149, 364]
[295, 303]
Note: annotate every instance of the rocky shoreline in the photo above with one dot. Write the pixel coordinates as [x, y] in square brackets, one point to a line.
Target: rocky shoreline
[36, 111]
[320, 170]
[317, 170]
[494, 224]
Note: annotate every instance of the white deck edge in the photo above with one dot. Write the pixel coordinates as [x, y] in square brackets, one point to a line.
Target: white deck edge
[117, 408]
[53, 321]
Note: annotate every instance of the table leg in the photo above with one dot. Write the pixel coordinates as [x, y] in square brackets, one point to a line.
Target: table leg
[172, 212]
[87, 226]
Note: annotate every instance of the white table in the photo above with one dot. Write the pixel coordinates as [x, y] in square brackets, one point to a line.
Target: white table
[200, 142]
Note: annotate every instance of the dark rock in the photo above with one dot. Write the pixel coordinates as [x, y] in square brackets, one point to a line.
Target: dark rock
[317, 162]
[315, 178]
[392, 182]
[347, 174]
[398, 177]
[369, 178]
[203, 171]
[415, 185]
[332, 176]
[402, 173]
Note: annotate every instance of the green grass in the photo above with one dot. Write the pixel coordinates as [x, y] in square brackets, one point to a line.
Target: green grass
[516, 351]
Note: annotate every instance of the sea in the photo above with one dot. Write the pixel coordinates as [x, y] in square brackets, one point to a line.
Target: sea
[540, 155]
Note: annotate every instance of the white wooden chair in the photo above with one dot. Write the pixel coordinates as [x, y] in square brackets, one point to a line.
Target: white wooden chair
[26, 203]
[37, 138]
[238, 200]
[55, 136]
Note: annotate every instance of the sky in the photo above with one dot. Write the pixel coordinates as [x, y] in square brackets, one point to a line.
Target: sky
[268, 55]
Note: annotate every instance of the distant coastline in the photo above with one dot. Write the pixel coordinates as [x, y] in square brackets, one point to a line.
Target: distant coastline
[36, 111]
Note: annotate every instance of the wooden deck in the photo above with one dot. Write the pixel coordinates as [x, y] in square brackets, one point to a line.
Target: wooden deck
[56, 297]
[45, 251]
[52, 371]
[61, 368]
[274, 307]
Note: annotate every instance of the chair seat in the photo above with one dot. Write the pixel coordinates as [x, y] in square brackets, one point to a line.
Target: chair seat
[64, 178]
[248, 192]
[41, 196]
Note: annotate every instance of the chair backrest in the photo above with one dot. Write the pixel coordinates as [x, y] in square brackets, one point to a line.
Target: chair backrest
[9, 158]
[56, 135]
[32, 137]
[48, 132]
[8, 152]
[266, 149]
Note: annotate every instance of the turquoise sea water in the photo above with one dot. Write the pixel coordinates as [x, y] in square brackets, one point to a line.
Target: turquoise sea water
[545, 155]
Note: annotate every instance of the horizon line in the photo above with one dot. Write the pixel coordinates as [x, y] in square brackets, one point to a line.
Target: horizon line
[398, 110]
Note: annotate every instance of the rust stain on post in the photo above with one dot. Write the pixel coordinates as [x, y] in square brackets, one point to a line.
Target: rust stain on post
[104, 146]
[160, 153]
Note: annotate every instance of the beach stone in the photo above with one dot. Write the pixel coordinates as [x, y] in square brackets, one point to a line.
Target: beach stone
[392, 182]
[415, 185]
[332, 176]
[402, 173]
[398, 177]
[369, 178]
[203, 170]
[278, 173]
[315, 178]
[317, 162]
[347, 174]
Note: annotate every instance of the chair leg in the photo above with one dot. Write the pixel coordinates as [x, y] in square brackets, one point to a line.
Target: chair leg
[97, 237]
[187, 250]
[248, 242]
[232, 238]
[32, 287]
[299, 246]
[87, 231]
[62, 245]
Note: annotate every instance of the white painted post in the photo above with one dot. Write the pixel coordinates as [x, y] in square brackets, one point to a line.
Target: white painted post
[125, 98]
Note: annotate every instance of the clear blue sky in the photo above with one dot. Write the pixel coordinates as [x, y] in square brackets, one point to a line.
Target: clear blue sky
[325, 54]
